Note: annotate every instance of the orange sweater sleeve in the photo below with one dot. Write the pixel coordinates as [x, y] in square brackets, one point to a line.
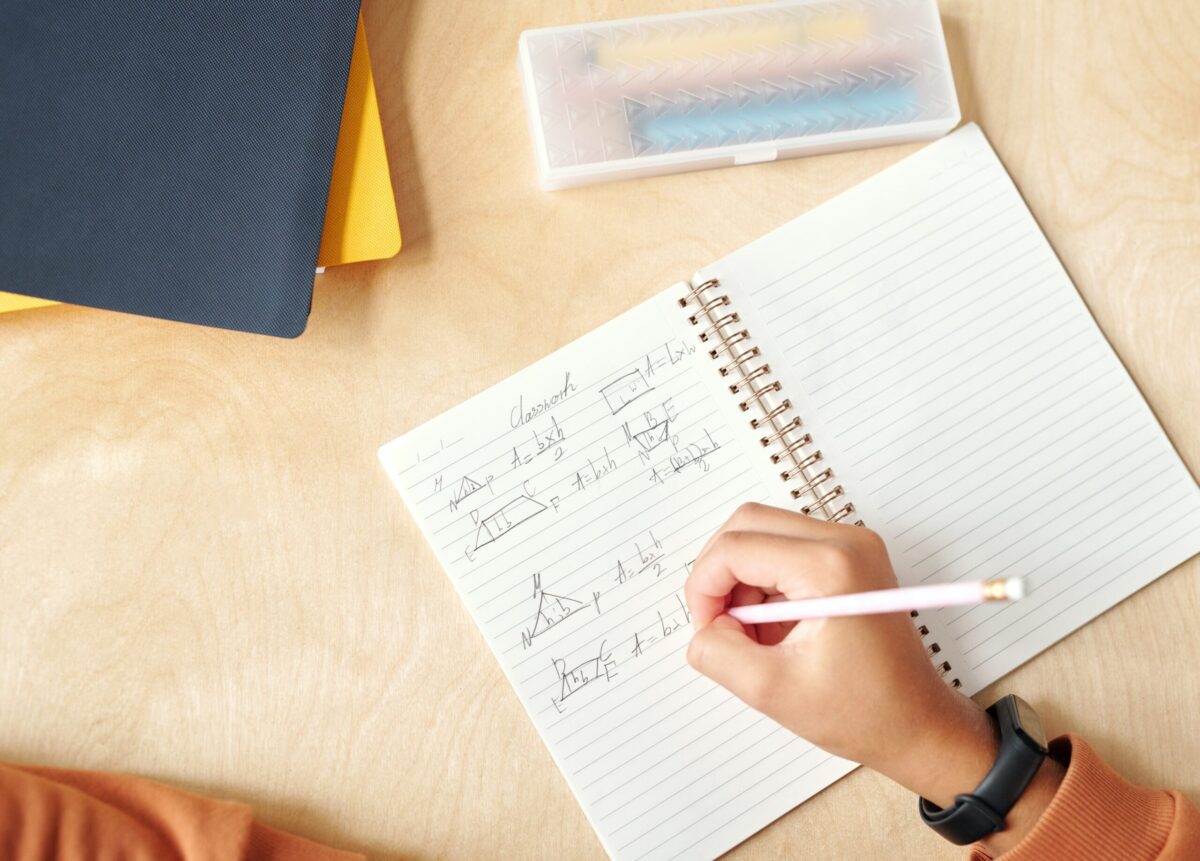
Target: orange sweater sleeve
[55, 813]
[1096, 813]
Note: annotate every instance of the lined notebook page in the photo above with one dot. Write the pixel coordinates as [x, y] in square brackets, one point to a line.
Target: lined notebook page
[966, 399]
[565, 504]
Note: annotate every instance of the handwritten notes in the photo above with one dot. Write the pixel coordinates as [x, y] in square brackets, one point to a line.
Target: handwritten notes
[922, 327]
[566, 504]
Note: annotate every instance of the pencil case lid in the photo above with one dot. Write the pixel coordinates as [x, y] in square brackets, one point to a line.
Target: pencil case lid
[747, 84]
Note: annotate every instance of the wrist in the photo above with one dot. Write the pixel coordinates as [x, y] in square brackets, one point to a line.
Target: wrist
[953, 756]
[947, 754]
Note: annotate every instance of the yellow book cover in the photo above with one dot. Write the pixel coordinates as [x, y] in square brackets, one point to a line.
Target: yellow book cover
[360, 218]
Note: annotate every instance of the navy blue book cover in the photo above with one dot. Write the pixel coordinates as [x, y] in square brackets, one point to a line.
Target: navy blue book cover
[171, 160]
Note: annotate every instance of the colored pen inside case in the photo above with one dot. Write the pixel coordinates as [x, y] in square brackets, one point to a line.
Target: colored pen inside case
[752, 83]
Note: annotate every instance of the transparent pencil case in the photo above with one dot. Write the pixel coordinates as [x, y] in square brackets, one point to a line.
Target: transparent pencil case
[740, 85]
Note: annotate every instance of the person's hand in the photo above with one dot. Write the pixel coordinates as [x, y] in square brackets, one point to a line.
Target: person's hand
[860, 687]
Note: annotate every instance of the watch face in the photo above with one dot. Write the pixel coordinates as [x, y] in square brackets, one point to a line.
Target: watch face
[1029, 723]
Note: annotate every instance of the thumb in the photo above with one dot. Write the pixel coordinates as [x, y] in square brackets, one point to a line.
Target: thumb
[722, 651]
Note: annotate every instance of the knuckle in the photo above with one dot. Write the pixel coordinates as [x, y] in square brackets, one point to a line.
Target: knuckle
[758, 687]
[745, 512]
[841, 568]
[837, 560]
[729, 542]
[871, 541]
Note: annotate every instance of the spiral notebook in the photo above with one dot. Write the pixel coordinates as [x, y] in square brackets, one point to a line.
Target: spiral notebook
[909, 355]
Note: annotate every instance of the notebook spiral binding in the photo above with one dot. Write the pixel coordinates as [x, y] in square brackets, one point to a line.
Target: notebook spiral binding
[804, 466]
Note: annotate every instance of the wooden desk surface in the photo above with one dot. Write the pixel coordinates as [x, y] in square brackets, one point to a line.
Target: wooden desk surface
[206, 578]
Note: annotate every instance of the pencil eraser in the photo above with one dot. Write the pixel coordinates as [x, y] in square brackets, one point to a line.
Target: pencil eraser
[1014, 588]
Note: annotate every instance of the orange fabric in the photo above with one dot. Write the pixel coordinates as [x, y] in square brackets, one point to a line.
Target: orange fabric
[49, 813]
[53, 813]
[1097, 814]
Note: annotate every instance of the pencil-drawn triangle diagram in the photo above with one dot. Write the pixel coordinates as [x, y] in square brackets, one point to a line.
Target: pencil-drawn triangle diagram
[466, 487]
[484, 535]
[560, 605]
[506, 519]
[653, 436]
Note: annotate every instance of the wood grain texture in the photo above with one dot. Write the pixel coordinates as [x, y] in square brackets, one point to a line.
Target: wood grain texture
[206, 578]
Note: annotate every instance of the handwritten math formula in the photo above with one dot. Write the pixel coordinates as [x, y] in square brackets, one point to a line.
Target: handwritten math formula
[630, 428]
[565, 456]
[567, 504]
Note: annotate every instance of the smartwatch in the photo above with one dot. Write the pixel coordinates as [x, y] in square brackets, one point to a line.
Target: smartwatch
[982, 812]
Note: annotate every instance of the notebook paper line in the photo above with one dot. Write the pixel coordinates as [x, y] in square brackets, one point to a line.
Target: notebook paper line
[957, 385]
[951, 186]
[692, 679]
[1004, 431]
[818, 290]
[563, 462]
[963, 512]
[1104, 583]
[1088, 517]
[722, 746]
[685, 744]
[605, 553]
[973, 414]
[610, 460]
[978, 393]
[667, 733]
[828, 359]
[1064, 492]
[998, 343]
[814, 291]
[721, 466]
[999, 455]
[751, 806]
[1075, 464]
[609, 551]
[624, 368]
[739, 757]
[780, 769]
[1039, 584]
[928, 293]
[721, 504]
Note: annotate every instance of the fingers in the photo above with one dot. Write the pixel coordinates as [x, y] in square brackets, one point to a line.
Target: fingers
[773, 633]
[756, 517]
[724, 653]
[772, 563]
[752, 548]
[743, 595]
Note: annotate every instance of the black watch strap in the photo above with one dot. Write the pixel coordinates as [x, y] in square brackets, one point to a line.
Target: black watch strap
[1022, 751]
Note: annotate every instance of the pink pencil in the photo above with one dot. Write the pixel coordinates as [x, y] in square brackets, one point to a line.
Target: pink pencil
[883, 601]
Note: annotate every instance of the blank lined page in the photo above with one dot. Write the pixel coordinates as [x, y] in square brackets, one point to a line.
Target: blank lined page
[966, 399]
[566, 504]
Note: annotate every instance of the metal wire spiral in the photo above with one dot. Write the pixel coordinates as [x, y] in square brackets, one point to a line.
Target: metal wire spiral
[804, 468]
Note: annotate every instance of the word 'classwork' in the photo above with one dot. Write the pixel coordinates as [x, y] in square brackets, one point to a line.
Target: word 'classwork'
[567, 504]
